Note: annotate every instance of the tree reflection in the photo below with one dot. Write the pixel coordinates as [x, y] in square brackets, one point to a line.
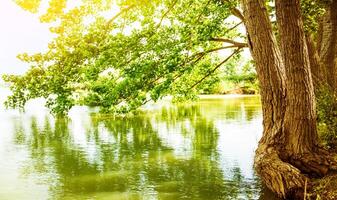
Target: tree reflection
[137, 157]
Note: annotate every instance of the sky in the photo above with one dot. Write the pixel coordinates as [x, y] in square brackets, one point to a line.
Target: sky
[20, 32]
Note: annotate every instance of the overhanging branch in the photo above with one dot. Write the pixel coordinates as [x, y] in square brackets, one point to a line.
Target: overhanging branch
[215, 68]
[200, 56]
[166, 13]
[221, 48]
[234, 43]
[234, 27]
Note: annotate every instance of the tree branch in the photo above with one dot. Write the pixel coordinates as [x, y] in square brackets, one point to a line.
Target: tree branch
[234, 27]
[236, 44]
[166, 13]
[220, 48]
[199, 56]
[215, 68]
[237, 13]
[120, 13]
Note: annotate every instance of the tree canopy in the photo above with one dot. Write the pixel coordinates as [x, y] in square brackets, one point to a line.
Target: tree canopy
[118, 55]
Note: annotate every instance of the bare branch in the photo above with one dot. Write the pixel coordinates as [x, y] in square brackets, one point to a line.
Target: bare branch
[234, 27]
[237, 13]
[218, 49]
[234, 43]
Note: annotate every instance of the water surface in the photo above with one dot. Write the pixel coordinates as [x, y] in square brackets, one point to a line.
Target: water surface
[200, 150]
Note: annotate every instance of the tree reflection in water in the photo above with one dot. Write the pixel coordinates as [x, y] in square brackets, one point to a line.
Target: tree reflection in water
[168, 153]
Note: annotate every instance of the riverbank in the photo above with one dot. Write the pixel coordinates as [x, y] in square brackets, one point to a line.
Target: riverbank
[325, 188]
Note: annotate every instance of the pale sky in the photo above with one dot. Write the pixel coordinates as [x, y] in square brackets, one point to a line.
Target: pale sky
[20, 31]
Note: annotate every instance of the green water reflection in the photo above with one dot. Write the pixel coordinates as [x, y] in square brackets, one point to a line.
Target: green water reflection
[201, 150]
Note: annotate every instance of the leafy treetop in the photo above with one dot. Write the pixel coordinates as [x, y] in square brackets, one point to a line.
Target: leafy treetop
[120, 54]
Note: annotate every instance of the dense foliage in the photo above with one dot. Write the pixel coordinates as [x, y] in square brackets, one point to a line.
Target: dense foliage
[120, 55]
[327, 117]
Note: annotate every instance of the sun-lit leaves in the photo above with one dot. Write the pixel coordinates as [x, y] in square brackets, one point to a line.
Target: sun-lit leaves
[29, 5]
[55, 10]
[312, 11]
[119, 59]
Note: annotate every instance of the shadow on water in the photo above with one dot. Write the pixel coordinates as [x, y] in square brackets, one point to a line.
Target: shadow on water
[202, 150]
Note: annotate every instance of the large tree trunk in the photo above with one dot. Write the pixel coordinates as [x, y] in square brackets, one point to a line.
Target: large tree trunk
[269, 64]
[288, 147]
[281, 177]
[300, 118]
[301, 147]
[318, 73]
[327, 44]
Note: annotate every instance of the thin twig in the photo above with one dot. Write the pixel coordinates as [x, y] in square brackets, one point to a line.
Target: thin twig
[230, 29]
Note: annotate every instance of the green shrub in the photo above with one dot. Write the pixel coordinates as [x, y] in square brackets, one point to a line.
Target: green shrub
[327, 117]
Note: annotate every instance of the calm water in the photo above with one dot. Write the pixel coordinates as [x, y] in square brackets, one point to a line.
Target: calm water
[201, 150]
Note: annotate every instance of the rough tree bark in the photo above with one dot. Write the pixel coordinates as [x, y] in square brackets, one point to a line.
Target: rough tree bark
[327, 44]
[281, 177]
[318, 73]
[300, 129]
[301, 147]
[288, 151]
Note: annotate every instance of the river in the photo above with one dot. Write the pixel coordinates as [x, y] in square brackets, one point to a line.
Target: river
[195, 151]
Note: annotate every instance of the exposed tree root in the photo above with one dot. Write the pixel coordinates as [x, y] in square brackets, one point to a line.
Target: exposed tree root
[315, 164]
[289, 178]
[282, 178]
